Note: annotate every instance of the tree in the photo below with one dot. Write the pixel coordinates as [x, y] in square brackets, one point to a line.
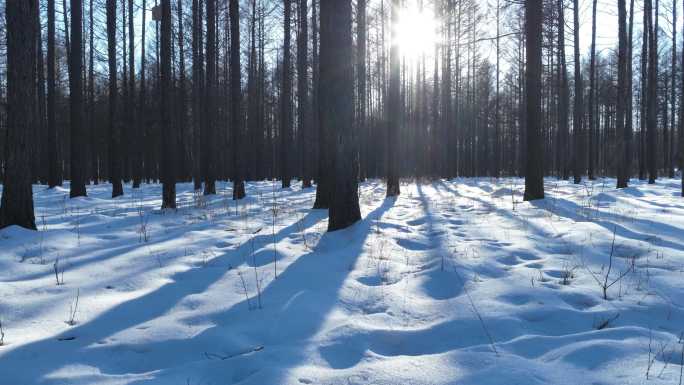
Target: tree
[361, 79]
[54, 174]
[651, 107]
[197, 81]
[534, 178]
[563, 99]
[236, 100]
[592, 91]
[77, 187]
[393, 109]
[577, 121]
[323, 180]
[337, 110]
[303, 92]
[114, 132]
[209, 128]
[622, 132]
[168, 136]
[16, 205]
[286, 101]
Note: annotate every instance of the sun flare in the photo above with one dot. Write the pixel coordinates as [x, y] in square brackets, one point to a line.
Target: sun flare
[416, 31]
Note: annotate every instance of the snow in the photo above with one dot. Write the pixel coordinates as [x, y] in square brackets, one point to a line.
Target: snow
[456, 281]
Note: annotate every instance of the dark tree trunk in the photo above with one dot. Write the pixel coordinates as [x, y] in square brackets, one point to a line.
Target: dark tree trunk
[577, 121]
[16, 205]
[132, 138]
[196, 95]
[254, 134]
[592, 92]
[323, 181]
[54, 174]
[393, 109]
[209, 129]
[621, 130]
[303, 92]
[286, 102]
[642, 96]
[184, 158]
[77, 187]
[563, 99]
[41, 158]
[142, 132]
[236, 101]
[669, 146]
[534, 178]
[114, 132]
[362, 132]
[651, 107]
[94, 137]
[169, 144]
[337, 110]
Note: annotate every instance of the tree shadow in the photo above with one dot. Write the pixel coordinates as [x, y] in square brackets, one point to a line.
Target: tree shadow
[300, 296]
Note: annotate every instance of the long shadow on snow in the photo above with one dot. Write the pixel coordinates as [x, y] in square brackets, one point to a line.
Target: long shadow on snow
[129, 314]
[570, 210]
[123, 246]
[88, 347]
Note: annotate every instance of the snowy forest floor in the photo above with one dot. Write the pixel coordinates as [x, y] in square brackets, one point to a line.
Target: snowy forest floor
[453, 282]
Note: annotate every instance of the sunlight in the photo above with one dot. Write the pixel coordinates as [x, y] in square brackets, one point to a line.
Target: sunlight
[416, 31]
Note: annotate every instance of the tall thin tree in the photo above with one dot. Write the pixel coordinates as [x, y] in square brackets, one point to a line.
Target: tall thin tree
[393, 108]
[16, 205]
[534, 178]
[337, 109]
[77, 186]
[286, 101]
[236, 101]
[168, 171]
[114, 131]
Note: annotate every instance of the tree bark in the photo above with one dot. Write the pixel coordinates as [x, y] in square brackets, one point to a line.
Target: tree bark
[168, 136]
[236, 101]
[114, 132]
[54, 174]
[621, 130]
[534, 178]
[303, 92]
[393, 109]
[577, 121]
[337, 110]
[16, 204]
[77, 187]
[286, 102]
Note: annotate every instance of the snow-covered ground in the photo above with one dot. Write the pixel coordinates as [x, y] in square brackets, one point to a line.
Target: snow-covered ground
[455, 282]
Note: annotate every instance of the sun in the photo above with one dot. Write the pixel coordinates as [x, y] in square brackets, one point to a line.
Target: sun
[416, 31]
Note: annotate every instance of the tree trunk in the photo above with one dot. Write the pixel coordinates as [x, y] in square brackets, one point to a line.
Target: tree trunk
[323, 180]
[577, 130]
[16, 205]
[303, 92]
[114, 132]
[592, 91]
[168, 136]
[236, 101]
[393, 108]
[77, 187]
[620, 128]
[337, 110]
[209, 129]
[286, 102]
[651, 107]
[563, 98]
[54, 174]
[534, 178]
[142, 132]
